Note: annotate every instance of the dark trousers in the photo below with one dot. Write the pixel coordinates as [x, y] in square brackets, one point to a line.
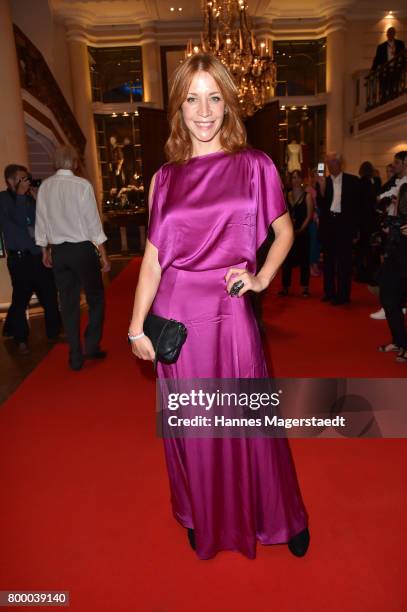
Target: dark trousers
[76, 265]
[29, 275]
[287, 272]
[364, 259]
[393, 287]
[337, 249]
[298, 256]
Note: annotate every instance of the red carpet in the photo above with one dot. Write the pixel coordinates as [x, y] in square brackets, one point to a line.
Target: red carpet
[85, 502]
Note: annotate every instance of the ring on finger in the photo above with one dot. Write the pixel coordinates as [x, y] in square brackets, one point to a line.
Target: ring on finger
[236, 287]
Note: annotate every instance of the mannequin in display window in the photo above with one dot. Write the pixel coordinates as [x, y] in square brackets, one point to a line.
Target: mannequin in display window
[116, 165]
[294, 156]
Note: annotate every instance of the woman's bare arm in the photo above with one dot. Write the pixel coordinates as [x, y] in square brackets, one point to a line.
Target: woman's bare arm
[284, 237]
[147, 286]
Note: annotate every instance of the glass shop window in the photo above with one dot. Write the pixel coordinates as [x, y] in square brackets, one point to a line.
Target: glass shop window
[301, 67]
[116, 74]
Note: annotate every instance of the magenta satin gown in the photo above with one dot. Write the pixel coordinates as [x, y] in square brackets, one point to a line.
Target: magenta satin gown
[207, 216]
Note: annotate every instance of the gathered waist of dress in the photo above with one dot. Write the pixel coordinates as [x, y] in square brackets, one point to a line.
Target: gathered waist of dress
[189, 296]
[182, 275]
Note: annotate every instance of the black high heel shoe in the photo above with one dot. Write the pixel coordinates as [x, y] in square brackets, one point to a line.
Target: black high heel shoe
[298, 545]
[191, 538]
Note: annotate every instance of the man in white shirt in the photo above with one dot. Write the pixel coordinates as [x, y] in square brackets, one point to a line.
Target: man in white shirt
[339, 201]
[388, 50]
[390, 77]
[68, 228]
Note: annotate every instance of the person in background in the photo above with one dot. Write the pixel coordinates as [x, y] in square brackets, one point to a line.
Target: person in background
[315, 246]
[301, 211]
[339, 205]
[386, 206]
[393, 281]
[390, 172]
[389, 194]
[366, 263]
[389, 74]
[388, 50]
[377, 180]
[68, 228]
[24, 260]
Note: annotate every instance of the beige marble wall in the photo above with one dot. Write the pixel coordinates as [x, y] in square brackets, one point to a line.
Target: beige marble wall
[13, 146]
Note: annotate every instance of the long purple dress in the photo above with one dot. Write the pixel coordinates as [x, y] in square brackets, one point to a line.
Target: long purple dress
[208, 215]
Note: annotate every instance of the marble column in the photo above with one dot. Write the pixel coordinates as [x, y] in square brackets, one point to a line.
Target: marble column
[13, 143]
[152, 74]
[335, 83]
[82, 99]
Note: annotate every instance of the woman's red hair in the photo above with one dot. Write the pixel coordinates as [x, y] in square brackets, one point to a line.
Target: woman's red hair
[178, 147]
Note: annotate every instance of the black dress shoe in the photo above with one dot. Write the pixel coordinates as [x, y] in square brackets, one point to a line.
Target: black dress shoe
[23, 348]
[298, 545]
[96, 355]
[191, 538]
[75, 364]
[327, 298]
[339, 302]
[57, 338]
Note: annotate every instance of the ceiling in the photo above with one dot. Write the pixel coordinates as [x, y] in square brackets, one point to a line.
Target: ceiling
[119, 12]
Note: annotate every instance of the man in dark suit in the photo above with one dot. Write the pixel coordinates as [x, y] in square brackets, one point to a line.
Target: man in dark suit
[339, 203]
[388, 50]
[389, 75]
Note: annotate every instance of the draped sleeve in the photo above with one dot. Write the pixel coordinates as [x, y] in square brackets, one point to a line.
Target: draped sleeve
[155, 212]
[269, 195]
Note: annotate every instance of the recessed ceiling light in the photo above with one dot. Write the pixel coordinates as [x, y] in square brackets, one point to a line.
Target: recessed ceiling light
[180, 8]
[172, 9]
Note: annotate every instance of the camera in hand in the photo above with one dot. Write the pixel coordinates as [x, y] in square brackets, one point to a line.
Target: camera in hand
[35, 182]
[392, 223]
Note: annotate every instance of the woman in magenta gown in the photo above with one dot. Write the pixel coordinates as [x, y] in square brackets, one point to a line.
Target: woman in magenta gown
[210, 209]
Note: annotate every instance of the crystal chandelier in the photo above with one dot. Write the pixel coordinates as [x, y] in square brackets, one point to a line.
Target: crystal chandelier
[228, 35]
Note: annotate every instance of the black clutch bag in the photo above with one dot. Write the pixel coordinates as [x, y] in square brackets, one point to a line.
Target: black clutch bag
[167, 337]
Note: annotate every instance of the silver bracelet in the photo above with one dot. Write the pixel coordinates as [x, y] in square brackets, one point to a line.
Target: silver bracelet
[137, 337]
